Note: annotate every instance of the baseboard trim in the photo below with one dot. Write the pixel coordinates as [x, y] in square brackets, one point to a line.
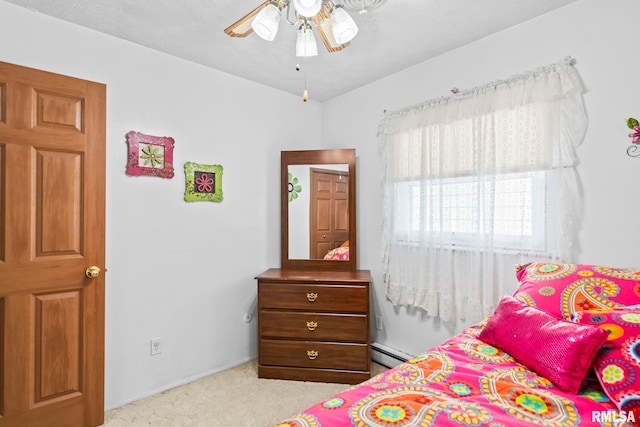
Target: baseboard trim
[179, 383]
[387, 356]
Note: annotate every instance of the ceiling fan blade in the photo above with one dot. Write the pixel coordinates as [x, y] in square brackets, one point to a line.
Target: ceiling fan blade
[242, 27]
[323, 25]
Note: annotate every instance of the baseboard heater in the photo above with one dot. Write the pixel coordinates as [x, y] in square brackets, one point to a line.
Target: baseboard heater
[387, 356]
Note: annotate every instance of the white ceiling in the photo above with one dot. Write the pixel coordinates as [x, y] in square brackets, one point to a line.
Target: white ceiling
[398, 34]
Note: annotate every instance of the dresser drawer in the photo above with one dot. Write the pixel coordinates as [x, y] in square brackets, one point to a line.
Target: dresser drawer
[314, 326]
[310, 354]
[313, 297]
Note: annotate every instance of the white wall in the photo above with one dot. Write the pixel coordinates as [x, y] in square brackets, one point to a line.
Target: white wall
[176, 270]
[600, 36]
[299, 214]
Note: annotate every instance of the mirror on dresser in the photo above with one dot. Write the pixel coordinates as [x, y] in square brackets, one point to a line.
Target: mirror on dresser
[318, 210]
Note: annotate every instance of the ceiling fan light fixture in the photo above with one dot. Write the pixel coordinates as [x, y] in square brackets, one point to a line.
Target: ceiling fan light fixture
[307, 8]
[343, 26]
[306, 42]
[266, 23]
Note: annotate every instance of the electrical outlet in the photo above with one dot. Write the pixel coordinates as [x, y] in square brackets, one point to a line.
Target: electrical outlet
[379, 323]
[156, 346]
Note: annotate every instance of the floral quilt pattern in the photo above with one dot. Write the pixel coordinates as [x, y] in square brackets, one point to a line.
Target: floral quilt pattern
[463, 382]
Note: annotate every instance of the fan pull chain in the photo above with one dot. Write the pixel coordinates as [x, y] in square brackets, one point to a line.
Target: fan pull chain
[306, 30]
[305, 94]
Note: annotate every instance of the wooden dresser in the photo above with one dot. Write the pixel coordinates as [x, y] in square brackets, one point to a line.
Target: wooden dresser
[314, 325]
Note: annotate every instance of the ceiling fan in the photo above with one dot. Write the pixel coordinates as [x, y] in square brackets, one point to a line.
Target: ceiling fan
[332, 23]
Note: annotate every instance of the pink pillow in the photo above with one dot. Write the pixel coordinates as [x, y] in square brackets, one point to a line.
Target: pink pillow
[563, 289]
[557, 350]
[617, 364]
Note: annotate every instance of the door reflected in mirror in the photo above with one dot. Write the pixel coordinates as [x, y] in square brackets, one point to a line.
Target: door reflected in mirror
[319, 211]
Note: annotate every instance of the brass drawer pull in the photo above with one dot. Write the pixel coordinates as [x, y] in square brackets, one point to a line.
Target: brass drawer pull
[312, 354]
[312, 296]
[312, 325]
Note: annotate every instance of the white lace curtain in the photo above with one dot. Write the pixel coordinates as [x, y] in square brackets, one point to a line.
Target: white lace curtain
[476, 183]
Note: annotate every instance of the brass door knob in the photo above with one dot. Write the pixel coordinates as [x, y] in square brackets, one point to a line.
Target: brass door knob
[92, 272]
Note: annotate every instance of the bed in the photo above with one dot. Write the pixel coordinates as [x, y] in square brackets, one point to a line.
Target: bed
[341, 253]
[560, 352]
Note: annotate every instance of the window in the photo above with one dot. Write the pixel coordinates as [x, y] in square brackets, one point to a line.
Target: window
[476, 183]
[510, 208]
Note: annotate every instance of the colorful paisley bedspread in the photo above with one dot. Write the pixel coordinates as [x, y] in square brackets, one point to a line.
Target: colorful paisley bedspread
[463, 382]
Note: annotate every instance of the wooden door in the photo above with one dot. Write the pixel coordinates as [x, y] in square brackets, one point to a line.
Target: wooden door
[52, 214]
[329, 213]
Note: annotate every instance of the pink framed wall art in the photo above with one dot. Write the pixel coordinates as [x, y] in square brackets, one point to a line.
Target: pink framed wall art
[150, 155]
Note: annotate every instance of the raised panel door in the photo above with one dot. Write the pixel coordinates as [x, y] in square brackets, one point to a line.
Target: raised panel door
[52, 220]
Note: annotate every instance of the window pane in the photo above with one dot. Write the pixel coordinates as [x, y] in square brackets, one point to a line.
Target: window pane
[508, 207]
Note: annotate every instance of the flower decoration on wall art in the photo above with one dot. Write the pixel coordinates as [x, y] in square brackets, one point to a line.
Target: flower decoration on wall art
[203, 182]
[150, 155]
[294, 188]
[634, 149]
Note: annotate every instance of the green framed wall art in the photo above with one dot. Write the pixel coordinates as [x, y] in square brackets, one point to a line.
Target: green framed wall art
[203, 182]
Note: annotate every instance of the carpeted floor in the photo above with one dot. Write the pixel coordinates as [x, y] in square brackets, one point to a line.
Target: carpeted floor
[232, 398]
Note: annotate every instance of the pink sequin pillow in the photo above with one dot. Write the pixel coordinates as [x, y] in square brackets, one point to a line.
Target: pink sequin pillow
[564, 289]
[617, 364]
[555, 349]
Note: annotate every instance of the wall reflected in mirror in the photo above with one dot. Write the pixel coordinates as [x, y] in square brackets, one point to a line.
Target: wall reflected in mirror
[318, 212]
